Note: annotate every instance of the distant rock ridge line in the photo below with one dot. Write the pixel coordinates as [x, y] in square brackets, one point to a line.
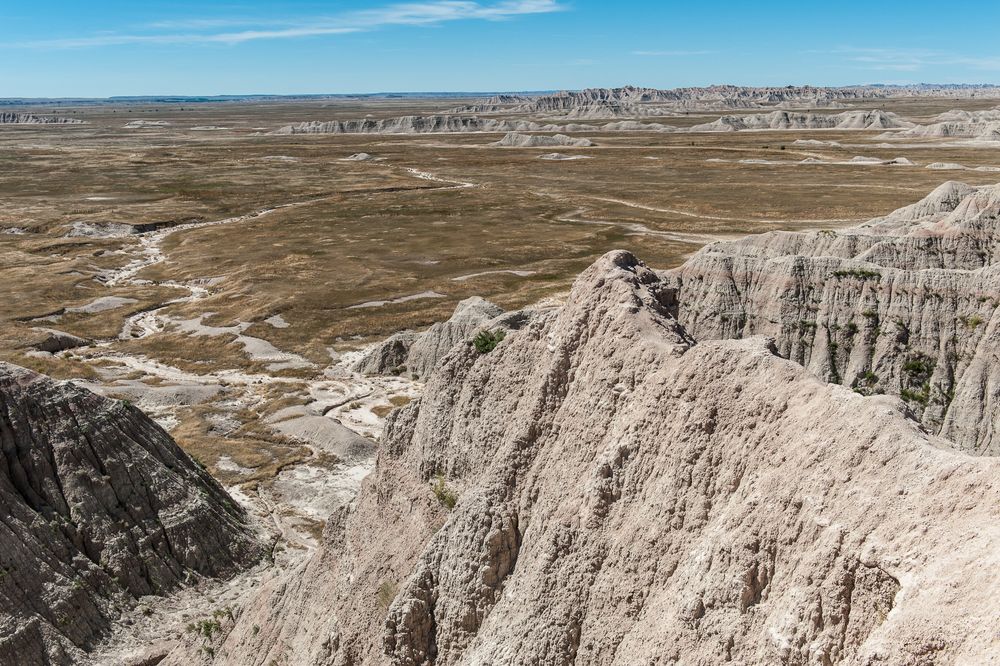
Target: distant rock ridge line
[628, 100]
[11, 118]
[790, 120]
[444, 124]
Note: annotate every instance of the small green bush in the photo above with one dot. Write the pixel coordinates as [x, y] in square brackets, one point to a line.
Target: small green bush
[972, 322]
[487, 341]
[447, 497]
[919, 367]
[859, 273]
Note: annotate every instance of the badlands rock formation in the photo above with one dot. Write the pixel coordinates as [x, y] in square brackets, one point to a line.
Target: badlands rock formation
[630, 101]
[976, 125]
[518, 140]
[10, 118]
[98, 506]
[445, 124]
[905, 304]
[417, 125]
[786, 120]
[601, 489]
[418, 354]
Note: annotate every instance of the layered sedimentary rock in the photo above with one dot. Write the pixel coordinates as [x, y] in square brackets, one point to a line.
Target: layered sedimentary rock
[98, 506]
[11, 118]
[518, 140]
[905, 304]
[601, 489]
[787, 120]
[632, 101]
[445, 124]
[424, 125]
[975, 125]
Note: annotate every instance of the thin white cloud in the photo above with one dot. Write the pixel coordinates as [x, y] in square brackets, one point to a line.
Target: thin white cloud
[671, 53]
[209, 31]
[913, 60]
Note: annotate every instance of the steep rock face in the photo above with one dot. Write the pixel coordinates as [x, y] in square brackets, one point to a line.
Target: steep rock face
[625, 496]
[418, 353]
[787, 120]
[387, 356]
[905, 304]
[98, 506]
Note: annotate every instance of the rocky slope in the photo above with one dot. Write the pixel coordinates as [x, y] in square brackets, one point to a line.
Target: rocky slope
[905, 304]
[601, 489]
[787, 120]
[417, 354]
[976, 125]
[11, 118]
[98, 506]
[518, 140]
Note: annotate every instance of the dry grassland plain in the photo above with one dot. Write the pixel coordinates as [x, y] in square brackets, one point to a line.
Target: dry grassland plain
[264, 259]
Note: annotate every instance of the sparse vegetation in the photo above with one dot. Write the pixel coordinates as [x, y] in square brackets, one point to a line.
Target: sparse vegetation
[919, 396]
[386, 593]
[487, 341]
[445, 495]
[859, 273]
[920, 366]
[972, 322]
[205, 628]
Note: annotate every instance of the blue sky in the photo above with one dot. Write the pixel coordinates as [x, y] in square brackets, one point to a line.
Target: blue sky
[60, 48]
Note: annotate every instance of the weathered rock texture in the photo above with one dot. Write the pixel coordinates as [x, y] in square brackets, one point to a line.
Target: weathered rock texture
[98, 506]
[905, 304]
[974, 125]
[625, 496]
[518, 140]
[418, 353]
[11, 118]
[426, 125]
[787, 120]
[631, 101]
[50, 340]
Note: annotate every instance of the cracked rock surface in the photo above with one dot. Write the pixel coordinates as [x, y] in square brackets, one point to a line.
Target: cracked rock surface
[905, 305]
[98, 506]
